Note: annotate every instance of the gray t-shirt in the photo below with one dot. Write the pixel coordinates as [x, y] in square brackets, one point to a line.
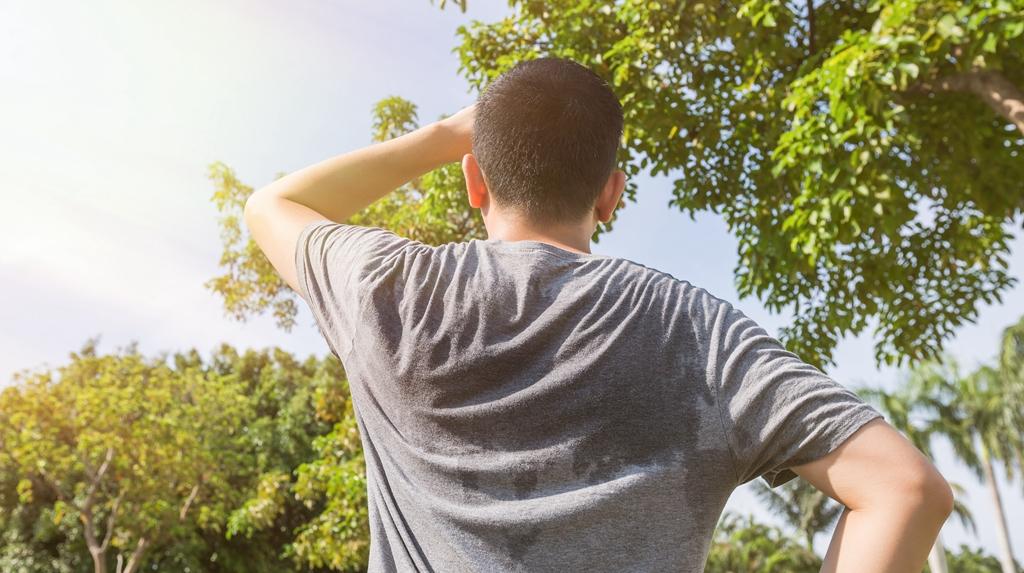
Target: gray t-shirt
[527, 408]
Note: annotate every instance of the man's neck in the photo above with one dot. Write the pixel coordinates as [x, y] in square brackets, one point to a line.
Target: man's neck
[571, 238]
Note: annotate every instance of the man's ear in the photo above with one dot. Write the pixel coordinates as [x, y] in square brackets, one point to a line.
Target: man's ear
[476, 187]
[608, 200]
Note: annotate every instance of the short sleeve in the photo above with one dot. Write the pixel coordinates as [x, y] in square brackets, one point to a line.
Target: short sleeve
[777, 410]
[334, 264]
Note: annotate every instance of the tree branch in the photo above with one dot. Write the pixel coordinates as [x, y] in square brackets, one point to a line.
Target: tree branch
[188, 503]
[85, 513]
[995, 89]
[135, 560]
[810, 27]
[110, 523]
[98, 477]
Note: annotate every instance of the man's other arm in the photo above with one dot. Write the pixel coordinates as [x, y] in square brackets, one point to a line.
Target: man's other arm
[896, 501]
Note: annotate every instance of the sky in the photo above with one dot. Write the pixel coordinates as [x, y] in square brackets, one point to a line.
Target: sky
[111, 113]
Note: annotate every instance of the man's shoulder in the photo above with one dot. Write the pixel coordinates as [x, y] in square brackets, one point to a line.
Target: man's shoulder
[685, 286]
[602, 263]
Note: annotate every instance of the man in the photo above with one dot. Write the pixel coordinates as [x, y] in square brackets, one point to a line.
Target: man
[527, 405]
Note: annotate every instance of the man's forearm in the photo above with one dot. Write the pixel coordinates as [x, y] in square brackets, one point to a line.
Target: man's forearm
[891, 539]
[341, 186]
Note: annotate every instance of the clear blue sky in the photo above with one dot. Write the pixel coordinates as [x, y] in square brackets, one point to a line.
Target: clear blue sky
[111, 112]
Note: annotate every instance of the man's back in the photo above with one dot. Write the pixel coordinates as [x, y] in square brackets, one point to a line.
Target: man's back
[527, 408]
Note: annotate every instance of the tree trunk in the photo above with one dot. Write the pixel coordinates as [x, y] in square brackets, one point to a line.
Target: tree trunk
[99, 560]
[1006, 551]
[937, 556]
[998, 92]
[96, 549]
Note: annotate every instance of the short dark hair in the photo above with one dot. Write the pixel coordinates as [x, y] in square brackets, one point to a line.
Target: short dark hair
[546, 134]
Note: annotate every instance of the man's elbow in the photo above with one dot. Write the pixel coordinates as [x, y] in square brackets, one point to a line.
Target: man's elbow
[943, 497]
[930, 494]
[253, 209]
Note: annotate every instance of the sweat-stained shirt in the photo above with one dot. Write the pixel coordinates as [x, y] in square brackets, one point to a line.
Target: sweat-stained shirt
[523, 407]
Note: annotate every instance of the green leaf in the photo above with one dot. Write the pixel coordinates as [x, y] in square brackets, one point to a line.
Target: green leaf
[991, 42]
[1014, 29]
[947, 27]
[909, 68]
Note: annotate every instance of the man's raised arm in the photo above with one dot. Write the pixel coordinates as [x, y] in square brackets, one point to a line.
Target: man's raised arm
[341, 186]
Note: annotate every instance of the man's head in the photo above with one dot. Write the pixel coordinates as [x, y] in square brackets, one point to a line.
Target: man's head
[545, 138]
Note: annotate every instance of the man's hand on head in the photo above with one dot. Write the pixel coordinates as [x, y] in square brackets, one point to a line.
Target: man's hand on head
[460, 125]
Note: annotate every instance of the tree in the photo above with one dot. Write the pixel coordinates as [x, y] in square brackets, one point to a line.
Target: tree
[1011, 375]
[867, 154]
[249, 284]
[339, 536]
[290, 402]
[969, 560]
[277, 470]
[984, 407]
[743, 544]
[807, 510]
[324, 489]
[134, 450]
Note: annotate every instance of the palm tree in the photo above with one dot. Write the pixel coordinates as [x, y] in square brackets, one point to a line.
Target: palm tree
[995, 443]
[1011, 372]
[803, 507]
[969, 560]
[743, 544]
